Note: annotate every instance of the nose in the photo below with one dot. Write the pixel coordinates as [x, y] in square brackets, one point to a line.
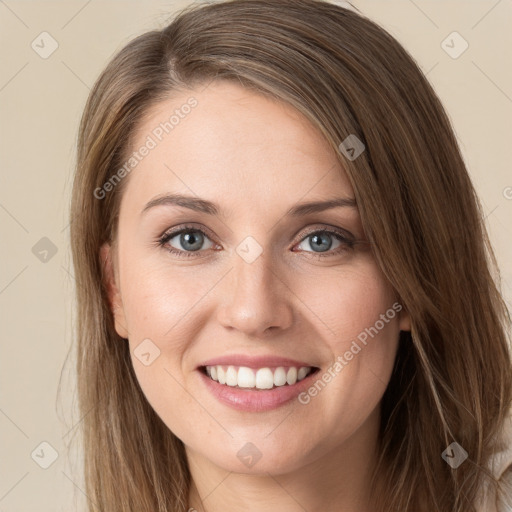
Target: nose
[258, 300]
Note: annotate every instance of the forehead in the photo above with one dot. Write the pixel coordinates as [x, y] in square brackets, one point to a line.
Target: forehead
[230, 141]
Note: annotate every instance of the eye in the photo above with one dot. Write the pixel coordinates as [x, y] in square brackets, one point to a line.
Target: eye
[185, 241]
[321, 241]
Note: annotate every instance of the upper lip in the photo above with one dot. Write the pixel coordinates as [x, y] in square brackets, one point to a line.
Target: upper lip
[254, 361]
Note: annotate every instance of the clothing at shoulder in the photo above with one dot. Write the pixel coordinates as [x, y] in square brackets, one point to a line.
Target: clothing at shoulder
[501, 467]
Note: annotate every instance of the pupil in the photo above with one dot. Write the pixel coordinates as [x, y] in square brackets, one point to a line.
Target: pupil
[326, 239]
[188, 238]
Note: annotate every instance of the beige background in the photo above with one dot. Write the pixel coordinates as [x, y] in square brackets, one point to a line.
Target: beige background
[40, 104]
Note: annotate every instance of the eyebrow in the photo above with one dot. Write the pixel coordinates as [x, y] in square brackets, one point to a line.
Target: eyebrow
[204, 206]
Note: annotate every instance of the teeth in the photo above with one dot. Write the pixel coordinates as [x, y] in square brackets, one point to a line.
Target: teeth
[221, 375]
[231, 376]
[262, 378]
[302, 373]
[246, 378]
[279, 377]
[291, 376]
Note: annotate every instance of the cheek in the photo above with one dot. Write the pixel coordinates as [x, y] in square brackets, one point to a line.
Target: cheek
[157, 300]
[346, 302]
[358, 321]
[159, 313]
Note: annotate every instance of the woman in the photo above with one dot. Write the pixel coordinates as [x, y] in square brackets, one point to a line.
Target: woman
[285, 298]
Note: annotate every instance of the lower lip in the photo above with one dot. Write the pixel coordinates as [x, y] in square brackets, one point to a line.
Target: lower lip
[256, 400]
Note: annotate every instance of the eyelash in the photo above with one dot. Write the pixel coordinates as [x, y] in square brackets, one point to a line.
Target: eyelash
[346, 242]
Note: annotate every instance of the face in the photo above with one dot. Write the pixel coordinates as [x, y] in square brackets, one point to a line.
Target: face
[251, 282]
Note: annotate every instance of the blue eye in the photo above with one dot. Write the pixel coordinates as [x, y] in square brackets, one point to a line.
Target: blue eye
[190, 241]
[323, 241]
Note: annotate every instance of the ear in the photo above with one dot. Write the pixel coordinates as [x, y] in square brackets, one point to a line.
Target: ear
[112, 288]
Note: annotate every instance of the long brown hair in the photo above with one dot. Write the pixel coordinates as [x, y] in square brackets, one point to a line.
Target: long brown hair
[452, 379]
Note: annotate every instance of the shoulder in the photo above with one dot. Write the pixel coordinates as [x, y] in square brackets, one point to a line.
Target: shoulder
[501, 468]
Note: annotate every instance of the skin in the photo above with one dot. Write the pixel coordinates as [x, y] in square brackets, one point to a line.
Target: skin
[255, 158]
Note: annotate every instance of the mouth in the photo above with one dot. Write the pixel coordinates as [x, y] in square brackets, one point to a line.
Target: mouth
[256, 383]
[257, 379]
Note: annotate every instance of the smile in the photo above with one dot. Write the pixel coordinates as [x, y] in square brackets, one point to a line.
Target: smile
[260, 378]
[256, 389]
